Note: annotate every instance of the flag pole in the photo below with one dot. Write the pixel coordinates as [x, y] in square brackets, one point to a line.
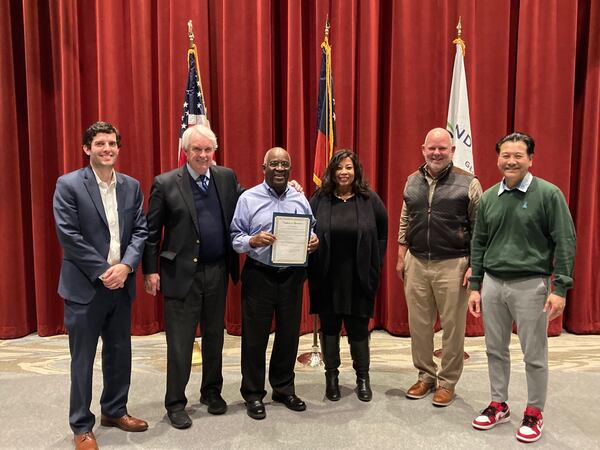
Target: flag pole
[197, 351]
[314, 358]
[191, 33]
[458, 41]
[328, 84]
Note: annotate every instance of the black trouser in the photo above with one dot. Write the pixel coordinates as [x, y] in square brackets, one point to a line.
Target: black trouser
[108, 315]
[204, 304]
[267, 291]
[356, 327]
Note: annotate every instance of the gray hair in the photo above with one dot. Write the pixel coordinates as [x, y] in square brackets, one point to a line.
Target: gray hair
[202, 130]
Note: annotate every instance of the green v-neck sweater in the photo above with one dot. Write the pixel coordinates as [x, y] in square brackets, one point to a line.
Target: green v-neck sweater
[522, 234]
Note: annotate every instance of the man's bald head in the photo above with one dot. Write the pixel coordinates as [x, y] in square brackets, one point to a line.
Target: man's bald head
[438, 150]
[275, 150]
[276, 167]
[441, 133]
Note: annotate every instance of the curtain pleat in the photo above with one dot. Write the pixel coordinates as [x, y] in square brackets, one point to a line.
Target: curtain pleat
[531, 66]
[583, 308]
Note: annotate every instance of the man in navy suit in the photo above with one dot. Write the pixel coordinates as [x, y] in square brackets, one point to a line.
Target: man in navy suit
[102, 228]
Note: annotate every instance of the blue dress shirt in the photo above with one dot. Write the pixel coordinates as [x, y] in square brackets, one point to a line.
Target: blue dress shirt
[254, 213]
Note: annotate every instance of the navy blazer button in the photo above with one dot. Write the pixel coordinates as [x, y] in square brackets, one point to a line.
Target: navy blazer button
[195, 259]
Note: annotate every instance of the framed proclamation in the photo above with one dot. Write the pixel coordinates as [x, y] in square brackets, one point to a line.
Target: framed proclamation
[292, 232]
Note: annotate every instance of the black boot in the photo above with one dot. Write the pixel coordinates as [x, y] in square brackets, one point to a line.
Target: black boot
[330, 345]
[360, 361]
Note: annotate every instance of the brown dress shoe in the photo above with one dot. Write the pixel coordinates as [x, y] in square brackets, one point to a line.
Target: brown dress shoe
[443, 396]
[125, 423]
[419, 390]
[85, 441]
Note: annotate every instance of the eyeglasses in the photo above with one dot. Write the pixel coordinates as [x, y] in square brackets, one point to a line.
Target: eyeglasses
[283, 164]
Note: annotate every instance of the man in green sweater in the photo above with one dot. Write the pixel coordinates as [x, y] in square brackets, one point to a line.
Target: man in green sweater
[523, 235]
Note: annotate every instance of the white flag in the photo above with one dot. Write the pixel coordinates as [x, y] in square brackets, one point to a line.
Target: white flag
[459, 123]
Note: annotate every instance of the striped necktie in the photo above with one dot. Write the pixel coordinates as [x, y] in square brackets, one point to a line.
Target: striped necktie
[203, 183]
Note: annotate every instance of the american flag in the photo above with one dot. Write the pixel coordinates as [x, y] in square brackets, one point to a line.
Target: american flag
[194, 109]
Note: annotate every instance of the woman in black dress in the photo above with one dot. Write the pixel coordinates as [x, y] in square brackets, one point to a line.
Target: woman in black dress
[343, 273]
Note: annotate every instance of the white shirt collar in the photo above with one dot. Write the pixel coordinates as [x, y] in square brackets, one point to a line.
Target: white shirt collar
[522, 186]
[113, 178]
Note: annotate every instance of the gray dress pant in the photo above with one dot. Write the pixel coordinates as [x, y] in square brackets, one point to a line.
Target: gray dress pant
[521, 300]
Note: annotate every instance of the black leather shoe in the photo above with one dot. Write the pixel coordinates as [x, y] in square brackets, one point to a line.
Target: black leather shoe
[256, 409]
[363, 389]
[292, 401]
[214, 401]
[179, 419]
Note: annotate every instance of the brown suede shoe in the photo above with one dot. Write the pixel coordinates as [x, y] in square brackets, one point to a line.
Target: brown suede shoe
[85, 441]
[125, 423]
[443, 396]
[419, 390]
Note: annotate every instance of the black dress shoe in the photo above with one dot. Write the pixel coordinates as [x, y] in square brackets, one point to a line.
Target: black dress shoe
[179, 419]
[256, 409]
[363, 389]
[291, 401]
[214, 401]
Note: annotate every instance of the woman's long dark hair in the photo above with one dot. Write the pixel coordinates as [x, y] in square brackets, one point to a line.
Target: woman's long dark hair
[359, 186]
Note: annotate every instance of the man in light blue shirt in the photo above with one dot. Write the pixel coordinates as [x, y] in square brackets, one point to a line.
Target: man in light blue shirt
[268, 289]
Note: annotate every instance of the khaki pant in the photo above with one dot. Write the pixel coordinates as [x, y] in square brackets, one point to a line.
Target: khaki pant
[433, 287]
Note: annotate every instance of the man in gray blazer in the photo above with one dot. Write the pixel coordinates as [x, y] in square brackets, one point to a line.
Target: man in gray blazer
[101, 227]
[188, 256]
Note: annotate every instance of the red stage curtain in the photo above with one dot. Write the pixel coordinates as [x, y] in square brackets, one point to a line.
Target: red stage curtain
[583, 308]
[544, 97]
[530, 66]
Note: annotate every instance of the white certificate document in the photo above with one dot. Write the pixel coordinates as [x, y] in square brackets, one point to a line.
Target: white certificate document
[292, 232]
